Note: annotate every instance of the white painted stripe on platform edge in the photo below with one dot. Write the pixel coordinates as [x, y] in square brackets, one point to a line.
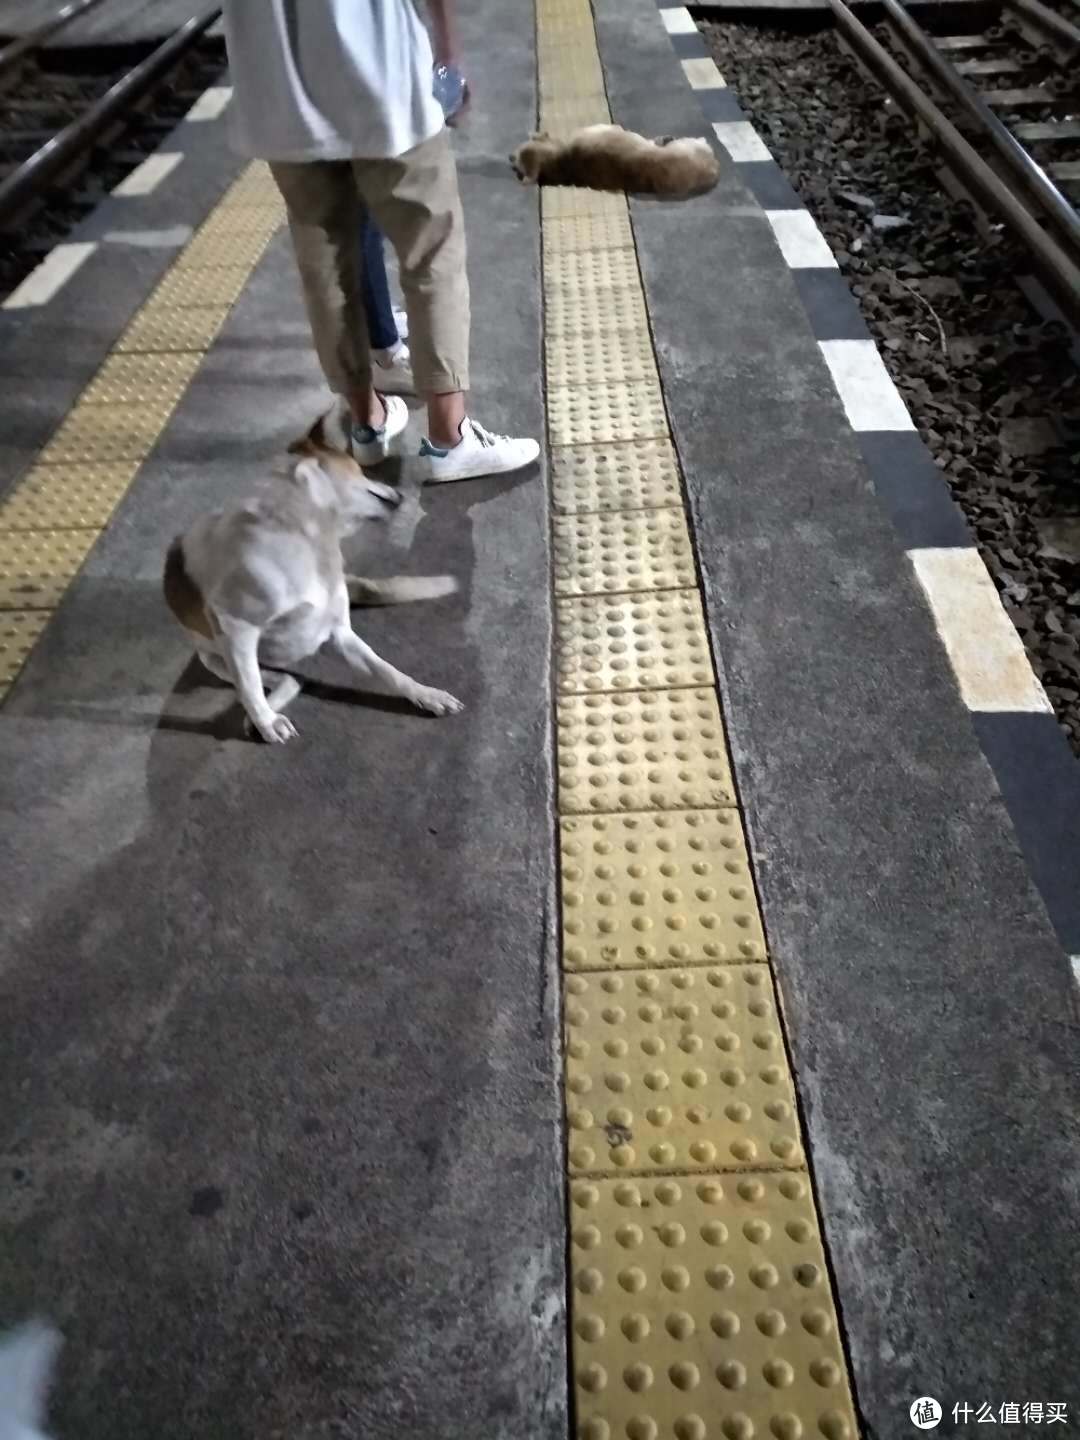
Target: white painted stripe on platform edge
[54, 271]
[145, 178]
[801, 242]
[210, 103]
[986, 653]
[1074, 961]
[678, 21]
[741, 140]
[703, 74]
[870, 399]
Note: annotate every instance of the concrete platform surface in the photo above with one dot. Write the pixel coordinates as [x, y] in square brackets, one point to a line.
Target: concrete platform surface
[282, 1147]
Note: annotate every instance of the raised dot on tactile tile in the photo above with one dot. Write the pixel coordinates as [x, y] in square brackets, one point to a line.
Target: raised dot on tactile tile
[587, 1238]
[590, 1282]
[786, 1426]
[593, 1378]
[799, 1230]
[703, 1151]
[672, 1234]
[635, 1327]
[714, 1233]
[668, 1193]
[680, 1325]
[792, 1188]
[731, 1374]
[738, 1427]
[629, 1236]
[834, 1426]
[690, 1427]
[725, 1323]
[684, 1375]
[778, 1373]
[816, 1322]
[616, 1048]
[586, 1196]
[710, 1191]
[581, 1119]
[676, 1278]
[658, 1115]
[772, 1323]
[720, 1277]
[638, 1377]
[627, 1194]
[590, 1328]
[633, 1279]
[594, 1429]
[641, 1427]
[662, 1154]
[807, 1275]
[765, 1277]
[752, 1190]
[756, 1231]
[825, 1373]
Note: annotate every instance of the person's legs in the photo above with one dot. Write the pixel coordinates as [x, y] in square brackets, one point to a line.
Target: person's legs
[414, 198]
[321, 203]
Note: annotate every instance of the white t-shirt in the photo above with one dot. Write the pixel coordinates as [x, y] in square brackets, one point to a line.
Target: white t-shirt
[329, 79]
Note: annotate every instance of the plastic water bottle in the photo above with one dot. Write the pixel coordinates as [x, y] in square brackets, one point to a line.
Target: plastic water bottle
[450, 89]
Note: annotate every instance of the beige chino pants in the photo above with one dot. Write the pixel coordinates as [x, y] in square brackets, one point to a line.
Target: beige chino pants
[414, 200]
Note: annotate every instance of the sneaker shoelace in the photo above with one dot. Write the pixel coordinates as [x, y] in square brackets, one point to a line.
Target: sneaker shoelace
[487, 437]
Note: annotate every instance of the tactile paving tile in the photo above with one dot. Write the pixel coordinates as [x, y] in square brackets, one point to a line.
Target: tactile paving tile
[186, 287]
[609, 356]
[141, 379]
[221, 250]
[254, 187]
[163, 328]
[631, 642]
[594, 413]
[622, 551]
[701, 1310]
[64, 497]
[582, 270]
[19, 629]
[560, 202]
[36, 566]
[588, 232]
[637, 475]
[105, 434]
[677, 1070]
[572, 74]
[657, 889]
[643, 750]
[571, 311]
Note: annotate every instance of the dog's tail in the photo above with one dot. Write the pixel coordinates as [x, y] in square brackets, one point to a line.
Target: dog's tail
[399, 589]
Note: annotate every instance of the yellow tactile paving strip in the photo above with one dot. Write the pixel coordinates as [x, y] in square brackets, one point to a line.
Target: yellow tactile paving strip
[700, 1299]
[52, 518]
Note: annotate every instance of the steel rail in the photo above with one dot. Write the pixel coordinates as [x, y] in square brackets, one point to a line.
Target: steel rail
[1056, 268]
[1048, 24]
[1029, 176]
[33, 176]
[17, 50]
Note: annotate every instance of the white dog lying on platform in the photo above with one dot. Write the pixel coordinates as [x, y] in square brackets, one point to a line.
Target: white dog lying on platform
[263, 583]
[27, 1356]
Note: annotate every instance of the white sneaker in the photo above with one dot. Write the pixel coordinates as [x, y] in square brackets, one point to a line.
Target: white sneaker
[371, 446]
[478, 452]
[401, 322]
[392, 371]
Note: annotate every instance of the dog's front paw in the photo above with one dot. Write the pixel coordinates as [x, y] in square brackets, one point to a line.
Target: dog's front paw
[436, 702]
[276, 730]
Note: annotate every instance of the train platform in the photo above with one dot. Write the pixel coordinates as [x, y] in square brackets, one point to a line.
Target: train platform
[679, 1044]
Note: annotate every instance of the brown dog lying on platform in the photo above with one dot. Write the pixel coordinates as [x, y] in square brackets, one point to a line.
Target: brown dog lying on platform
[607, 157]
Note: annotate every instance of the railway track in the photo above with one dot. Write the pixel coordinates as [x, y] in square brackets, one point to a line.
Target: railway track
[73, 122]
